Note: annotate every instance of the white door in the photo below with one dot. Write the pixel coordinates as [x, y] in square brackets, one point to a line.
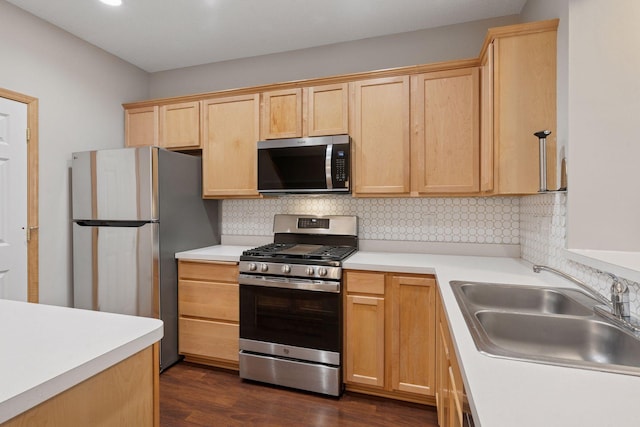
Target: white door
[13, 200]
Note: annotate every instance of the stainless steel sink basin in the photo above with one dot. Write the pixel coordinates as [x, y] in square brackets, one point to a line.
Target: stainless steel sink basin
[554, 326]
[525, 299]
[563, 340]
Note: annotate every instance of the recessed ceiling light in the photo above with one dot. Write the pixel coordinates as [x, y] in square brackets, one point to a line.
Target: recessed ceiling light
[112, 2]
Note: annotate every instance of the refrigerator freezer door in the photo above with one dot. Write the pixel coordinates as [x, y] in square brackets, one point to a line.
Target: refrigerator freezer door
[115, 185]
[116, 269]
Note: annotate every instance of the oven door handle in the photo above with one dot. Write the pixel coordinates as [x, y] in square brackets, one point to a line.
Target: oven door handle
[289, 283]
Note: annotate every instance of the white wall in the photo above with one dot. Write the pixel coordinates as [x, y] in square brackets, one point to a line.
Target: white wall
[459, 41]
[80, 90]
[604, 103]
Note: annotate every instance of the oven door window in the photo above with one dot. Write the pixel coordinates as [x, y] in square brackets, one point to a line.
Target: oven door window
[300, 318]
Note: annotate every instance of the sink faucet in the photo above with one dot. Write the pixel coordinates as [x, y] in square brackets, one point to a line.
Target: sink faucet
[591, 291]
[617, 310]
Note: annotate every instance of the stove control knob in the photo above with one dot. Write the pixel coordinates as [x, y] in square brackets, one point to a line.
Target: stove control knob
[252, 266]
[286, 269]
[264, 268]
[309, 271]
[322, 271]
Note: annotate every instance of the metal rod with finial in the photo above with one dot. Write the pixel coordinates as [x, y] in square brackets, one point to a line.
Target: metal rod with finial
[542, 139]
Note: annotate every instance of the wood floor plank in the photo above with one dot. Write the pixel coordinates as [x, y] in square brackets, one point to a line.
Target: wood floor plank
[196, 396]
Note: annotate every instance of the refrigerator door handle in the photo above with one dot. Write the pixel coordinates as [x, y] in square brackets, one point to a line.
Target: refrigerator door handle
[103, 223]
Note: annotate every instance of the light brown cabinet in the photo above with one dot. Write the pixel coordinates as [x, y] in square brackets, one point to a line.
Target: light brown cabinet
[445, 144]
[126, 393]
[180, 125]
[380, 137]
[390, 335]
[172, 126]
[208, 310]
[365, 329]
[282, 114]
[518, 99]
[229, 155]
[309, 111]
[456, 128]
[451, 399]
[141, 126]
[326, 110]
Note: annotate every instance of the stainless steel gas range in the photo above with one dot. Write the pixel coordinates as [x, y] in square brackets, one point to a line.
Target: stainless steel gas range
[291, 303]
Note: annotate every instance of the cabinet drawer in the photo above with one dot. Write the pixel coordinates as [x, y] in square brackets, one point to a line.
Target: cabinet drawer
[365, 282]
[208, 299]
[204, 338]
[217, 272]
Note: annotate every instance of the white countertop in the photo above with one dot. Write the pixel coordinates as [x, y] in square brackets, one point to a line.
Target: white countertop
[214, 253]
[46, 350]
[504, 393]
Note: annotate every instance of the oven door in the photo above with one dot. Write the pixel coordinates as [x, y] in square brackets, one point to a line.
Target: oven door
[276, 311]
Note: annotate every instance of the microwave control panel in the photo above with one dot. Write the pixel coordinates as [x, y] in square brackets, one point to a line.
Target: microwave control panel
[340, 165]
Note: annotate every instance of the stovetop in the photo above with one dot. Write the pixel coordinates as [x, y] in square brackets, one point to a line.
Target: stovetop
[291, 251]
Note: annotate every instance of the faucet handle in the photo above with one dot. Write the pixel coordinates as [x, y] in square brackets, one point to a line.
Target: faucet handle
[619, 297]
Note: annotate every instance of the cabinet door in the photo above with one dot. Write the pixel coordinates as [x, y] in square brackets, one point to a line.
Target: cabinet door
[229, 155]
[380, 135]
[326, 110]
[141, 126]
[180, 125]
[446, 116]
[524, 103]
[282, 114]
[365, 340]
[413, 339]
[486, 121]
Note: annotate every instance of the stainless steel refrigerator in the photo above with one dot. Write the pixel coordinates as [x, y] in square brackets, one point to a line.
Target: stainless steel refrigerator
[133, 208]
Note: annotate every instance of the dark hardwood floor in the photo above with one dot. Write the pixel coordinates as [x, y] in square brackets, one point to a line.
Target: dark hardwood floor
[193, 395]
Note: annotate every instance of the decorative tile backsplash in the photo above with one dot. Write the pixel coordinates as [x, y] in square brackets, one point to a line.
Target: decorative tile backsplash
[456, 220]
[542, 241]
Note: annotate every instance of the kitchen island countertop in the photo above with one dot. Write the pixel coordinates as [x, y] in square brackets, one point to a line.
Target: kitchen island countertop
[48, 349]
[504, 393]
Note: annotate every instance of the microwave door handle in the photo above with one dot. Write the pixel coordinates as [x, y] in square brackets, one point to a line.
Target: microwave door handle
[327, 166]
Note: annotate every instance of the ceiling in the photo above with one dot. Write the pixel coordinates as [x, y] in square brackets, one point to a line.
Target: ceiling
[158, 35]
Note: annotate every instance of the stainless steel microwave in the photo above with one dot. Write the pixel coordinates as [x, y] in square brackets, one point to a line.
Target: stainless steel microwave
[304, 165]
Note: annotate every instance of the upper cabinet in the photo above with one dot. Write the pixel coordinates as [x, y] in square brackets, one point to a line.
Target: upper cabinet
[380, 137]
[141, 126]
[173, 126]
[229, 155]
[180, 125]
[326, 110]
[282, 114]
[310, 111]
[446, 122]
[447, 129]
[518, 99]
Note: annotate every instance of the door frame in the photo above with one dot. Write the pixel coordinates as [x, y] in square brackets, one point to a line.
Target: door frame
[33, 286]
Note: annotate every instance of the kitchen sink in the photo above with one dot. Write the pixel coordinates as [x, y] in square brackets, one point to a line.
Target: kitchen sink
[529, 299]
[554, 326]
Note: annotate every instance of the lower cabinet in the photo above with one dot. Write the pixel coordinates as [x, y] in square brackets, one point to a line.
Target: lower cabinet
[208, 312]
[451, 400]
[390, 335]
[126, 394]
